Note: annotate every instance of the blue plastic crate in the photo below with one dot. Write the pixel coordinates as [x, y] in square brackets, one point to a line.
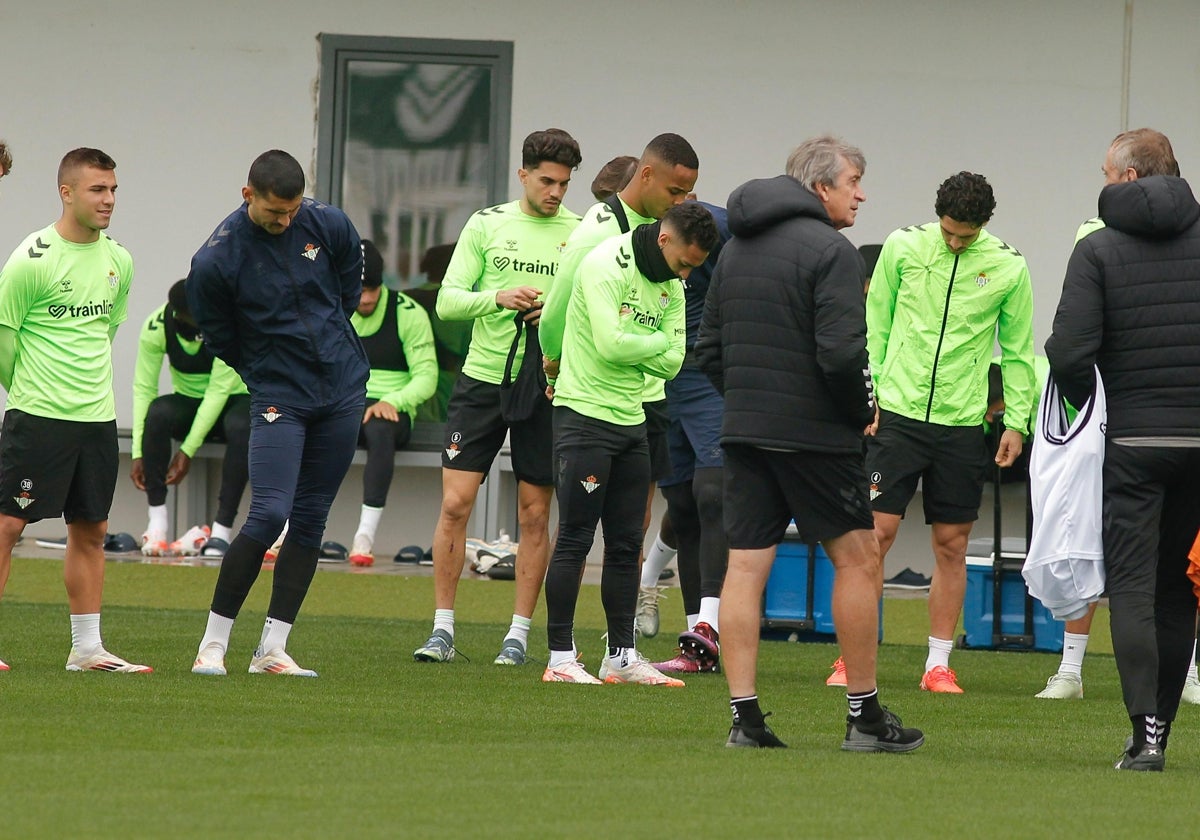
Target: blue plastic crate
[785, 599]
[979, 603]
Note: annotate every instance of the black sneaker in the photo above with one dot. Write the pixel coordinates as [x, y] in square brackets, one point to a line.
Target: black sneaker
[1150, 757]
[908, 579]
[744, 735]
[887, 735]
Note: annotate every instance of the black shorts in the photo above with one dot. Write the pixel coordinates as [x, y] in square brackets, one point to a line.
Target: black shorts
[475, 431]
[51, 468]
[951, 462]
[658, 421]
[825, 493]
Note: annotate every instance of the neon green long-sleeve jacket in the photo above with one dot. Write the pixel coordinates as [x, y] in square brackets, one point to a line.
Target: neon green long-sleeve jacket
[933, 320]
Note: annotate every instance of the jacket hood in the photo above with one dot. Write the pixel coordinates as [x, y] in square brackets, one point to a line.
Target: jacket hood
[1155, 207]
[762, 204]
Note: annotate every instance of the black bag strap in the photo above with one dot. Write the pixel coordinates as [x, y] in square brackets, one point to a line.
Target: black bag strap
[512, 351]
[614, 204]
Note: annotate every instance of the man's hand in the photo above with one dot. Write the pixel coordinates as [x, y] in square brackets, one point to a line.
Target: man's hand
[520, 298]
[874, 427]
[1011, 444]
[138, 474]
[533, 316]
[550, 366]
[383, 410]
[179, 467]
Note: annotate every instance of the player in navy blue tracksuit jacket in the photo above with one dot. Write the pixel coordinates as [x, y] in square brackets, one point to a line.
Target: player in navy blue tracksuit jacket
[273, 290]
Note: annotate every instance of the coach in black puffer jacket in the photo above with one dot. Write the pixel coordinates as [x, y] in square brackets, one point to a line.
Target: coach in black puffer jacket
[784, 338]
[1131, 305]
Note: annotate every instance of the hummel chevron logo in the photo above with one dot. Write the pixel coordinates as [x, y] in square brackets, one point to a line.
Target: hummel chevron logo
[627, 257]
[603, 217]
[41, 248]
[216, 238]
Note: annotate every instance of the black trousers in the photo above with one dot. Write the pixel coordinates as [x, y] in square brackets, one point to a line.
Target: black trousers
[1151, 516]
[170, 417]
[381, 438]
[602, 475]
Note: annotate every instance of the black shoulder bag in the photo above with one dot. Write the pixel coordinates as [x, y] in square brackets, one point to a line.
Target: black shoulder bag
[520, 397]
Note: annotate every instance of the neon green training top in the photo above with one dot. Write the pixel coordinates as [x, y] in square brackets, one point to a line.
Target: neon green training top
[1090, 226]
[64, 301]
[933, 319]
[212, 389]
[620, 328]
[598, 224]
[223, 383]
[500, 247]
[404, 389]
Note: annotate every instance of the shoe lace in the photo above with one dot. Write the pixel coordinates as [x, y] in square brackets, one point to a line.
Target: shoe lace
[942, 674]
[449, 646]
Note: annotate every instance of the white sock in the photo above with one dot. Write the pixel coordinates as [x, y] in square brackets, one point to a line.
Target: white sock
[368, 522]
[218, 630]
[939, 653]
[657, 558]
[1074, 646]
[692, 619]
[561, 657]
[444, 620]
[274, 635]
[519, 629]
[158, 520]
[85, 633]
[709, 607]
[221, 532]
[1192, 668]
[623, 658]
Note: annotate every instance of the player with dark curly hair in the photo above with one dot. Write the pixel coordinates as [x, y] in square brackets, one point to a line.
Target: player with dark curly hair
[966, 198]
[941, 295]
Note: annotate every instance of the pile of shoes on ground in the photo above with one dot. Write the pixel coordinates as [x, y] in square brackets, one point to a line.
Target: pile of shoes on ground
[497, 560]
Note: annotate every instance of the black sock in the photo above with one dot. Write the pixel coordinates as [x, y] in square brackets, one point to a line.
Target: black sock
[1148, 729]
[294, 569]
[746, 710]
[239, 569]
[865, 707]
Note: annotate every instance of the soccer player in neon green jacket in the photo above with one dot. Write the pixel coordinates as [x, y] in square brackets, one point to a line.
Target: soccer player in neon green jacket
[625, 320]
[942, 295]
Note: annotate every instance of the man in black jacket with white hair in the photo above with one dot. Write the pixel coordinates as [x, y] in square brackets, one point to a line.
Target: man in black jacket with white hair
[784, 339]
[1130, 307]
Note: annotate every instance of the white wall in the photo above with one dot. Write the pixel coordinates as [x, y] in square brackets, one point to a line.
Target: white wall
[184, 95]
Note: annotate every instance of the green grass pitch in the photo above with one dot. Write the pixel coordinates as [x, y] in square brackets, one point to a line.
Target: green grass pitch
[381, 746]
